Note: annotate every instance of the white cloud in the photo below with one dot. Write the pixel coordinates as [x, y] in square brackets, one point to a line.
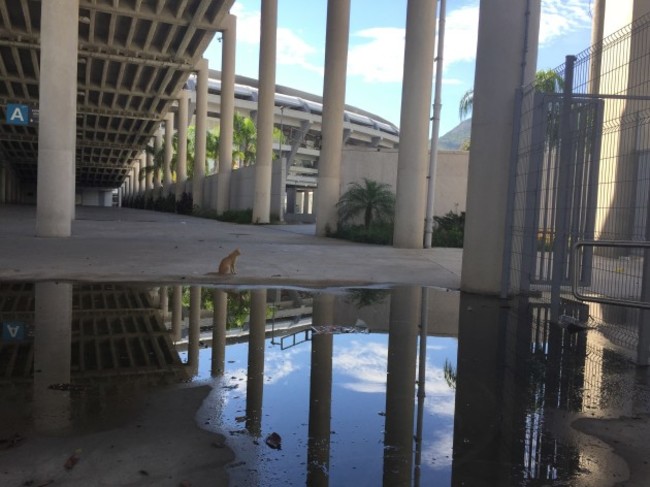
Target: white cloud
[292, 50]
[248, 24]
[438, 453]
[364, 364]
[377, 54]
[461, 35]
[561, 17]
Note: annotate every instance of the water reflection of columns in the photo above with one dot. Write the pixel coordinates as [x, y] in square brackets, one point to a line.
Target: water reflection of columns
[320, 394]
[194, 330]
[255, 383]
[52, 354]
[478, 438]
[400, 385]
[220, 299]
[164, 302]
[177, 312]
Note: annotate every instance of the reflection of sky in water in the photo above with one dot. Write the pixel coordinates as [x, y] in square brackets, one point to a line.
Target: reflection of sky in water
[358, 411]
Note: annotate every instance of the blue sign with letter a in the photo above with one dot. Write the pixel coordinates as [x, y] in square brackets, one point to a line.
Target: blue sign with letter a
[13, 331]
[17, 114]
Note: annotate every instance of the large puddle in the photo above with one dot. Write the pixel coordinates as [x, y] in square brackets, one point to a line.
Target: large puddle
[365, 387]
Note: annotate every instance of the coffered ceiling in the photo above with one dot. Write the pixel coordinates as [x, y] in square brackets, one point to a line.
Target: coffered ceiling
[134, 57]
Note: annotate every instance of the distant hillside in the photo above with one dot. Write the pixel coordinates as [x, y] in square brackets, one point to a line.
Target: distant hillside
[454, 139]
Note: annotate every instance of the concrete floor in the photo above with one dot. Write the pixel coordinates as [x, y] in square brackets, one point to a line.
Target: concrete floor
[123, 244]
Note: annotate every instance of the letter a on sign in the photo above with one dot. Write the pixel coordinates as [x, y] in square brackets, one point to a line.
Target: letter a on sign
[17, 114]
[13, 331]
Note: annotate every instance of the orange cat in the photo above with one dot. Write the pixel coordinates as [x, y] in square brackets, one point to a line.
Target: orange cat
[227, 264]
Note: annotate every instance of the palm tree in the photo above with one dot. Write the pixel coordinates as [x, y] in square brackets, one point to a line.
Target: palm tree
[374, 200]
[244, 141]
[546, 81]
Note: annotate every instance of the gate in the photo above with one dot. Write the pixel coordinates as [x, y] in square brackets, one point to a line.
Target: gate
[577, 227]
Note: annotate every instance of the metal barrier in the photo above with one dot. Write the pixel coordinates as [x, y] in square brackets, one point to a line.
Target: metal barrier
[615, 278]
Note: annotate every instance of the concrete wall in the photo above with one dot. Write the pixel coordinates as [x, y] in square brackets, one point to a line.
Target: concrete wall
[242, 188]
[451, 174]
[92, 197]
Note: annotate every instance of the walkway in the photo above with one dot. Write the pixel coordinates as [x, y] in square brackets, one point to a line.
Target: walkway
[122, 244]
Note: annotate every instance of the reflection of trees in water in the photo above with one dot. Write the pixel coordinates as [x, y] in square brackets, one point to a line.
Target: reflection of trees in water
[449, 373]
[366, 297]
[207, 302]
[239, 308]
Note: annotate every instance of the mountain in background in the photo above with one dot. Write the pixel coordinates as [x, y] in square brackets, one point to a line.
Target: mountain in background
[454, 139]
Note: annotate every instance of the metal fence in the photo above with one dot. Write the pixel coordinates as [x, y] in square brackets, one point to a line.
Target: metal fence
[580, 179]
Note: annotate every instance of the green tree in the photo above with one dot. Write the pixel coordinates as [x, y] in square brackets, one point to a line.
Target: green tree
[546, 81]
[244, 141]
[372, 200]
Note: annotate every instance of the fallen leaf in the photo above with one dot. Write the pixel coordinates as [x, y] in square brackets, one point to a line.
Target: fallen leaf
[72, 460]
[274, 441]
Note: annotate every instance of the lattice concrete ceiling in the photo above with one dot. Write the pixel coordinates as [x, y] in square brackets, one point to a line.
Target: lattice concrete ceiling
[134, 57]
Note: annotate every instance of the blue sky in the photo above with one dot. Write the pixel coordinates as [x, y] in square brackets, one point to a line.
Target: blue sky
[376, 48]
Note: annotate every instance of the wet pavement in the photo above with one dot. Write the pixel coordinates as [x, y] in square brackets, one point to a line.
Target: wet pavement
[366, 362]
[396, 386]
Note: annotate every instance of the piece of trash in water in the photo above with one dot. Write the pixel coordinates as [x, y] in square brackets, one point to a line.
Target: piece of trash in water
[72, 460]
[274, 441]
[67, 387]
[571, 324]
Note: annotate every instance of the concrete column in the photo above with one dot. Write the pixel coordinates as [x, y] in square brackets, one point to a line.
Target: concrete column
[219, 320]
[194, 330]
[291, 200]
[597, 34]
[3, 190]
[501, 44]
[58, 124]
[201, 129]
[228, 54]
[413, 157]
[142, 180]
[309, 202]
[164, 302]
[169, 151]
[52, 354]
[177, 312]
[181, 157]
[320, 394]
[149, 183]
[157, 146]
[265, 115]
[405, 306]
[255, 384]
[329, 164]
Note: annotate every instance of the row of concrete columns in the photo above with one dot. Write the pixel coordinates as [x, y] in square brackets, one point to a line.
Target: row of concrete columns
[10, 191]
[412, 166]
[505, 44]
[135, 184]
[405, 319]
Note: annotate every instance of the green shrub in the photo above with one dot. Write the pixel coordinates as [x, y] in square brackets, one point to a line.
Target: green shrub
[237, 216]
[166, 203]
[378, 233]
[185, 205]
[449, 230]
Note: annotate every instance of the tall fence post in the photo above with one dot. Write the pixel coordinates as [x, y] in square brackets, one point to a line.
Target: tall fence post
[563, 193]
